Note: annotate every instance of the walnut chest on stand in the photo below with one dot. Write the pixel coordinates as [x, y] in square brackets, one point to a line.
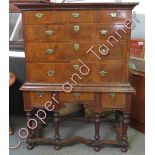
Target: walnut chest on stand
[77, 53]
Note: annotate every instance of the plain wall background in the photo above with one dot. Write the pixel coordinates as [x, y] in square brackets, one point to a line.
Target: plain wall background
[139, 30]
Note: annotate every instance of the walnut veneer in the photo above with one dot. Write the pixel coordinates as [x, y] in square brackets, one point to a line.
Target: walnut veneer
[58, 35]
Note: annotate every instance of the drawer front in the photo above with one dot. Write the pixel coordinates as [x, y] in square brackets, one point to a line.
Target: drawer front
[82, 16]
[40, 72]
[106, 52]
[81, 32]
[78, 32]
[45, 17]
[101, 73]
[113, 100]
[39, 98]
[44, 33]
[77, 16]
[99, 32]
[109, 72]
[47, 52]
[62, 72]
[49, 72]
[76, 96]
[117, 16]
[113, 33]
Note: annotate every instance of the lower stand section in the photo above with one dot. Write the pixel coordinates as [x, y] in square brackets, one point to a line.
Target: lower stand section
[121, 126]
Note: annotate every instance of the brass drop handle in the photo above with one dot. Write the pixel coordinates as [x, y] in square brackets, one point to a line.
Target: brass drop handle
[51, 73]
[76, 46]
[113, 14]
[103, 32]
[76, 15]
[102, 73]
[49, 32]
[76, 94]
[103, 51]
[40, 94]
[39, 15]
[76, 66]
[113, 95]
[50, 51]
[76, 28]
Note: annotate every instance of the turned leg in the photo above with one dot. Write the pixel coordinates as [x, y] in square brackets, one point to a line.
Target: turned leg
[40, 125]
[56, 121]
[97, 135]
[118, 114]
[125, 123]
[30, 146]
[37, 131]
[118, 125]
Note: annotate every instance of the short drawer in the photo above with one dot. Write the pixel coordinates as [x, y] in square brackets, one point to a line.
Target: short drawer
[49, 72]
[113, 33]
[45, 17]
[113, 100]
[76, 96]
[106, 53]
[43, 33]
[47, 52]
[117, 16]
[40, 72]
[39, 98]
[81, 16]
[113, 16]
[103, 73]
[113, 72]
[81, 32]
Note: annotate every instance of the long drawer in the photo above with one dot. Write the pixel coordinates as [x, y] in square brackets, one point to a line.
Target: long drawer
[81, 72]
[76, 16]
[76, 32]
[48, 52]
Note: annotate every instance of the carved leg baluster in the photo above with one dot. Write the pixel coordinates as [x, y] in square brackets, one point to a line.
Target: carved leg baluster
[56, 121]
[118, 125]
[30, 146]
[40, 125]
[96, 144]
[118, 114]
[125, 123]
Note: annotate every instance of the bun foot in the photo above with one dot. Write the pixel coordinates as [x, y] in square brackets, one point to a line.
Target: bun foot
[124, 150]
[30, 147]
[97, 149]
[57, 147]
